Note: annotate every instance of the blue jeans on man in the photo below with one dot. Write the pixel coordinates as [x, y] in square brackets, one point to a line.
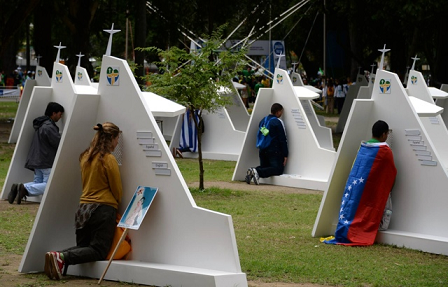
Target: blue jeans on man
[37, 186]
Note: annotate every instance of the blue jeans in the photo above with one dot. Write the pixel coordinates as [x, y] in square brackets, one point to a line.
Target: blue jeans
[271, 163]
[37, 186]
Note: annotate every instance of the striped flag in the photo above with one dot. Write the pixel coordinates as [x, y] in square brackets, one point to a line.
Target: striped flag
[189, 132]
[366, 191]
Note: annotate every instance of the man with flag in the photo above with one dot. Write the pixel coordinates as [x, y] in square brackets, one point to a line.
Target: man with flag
[366, 191]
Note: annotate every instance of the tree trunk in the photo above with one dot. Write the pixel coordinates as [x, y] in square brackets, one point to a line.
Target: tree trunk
[201, 163]
[42, 42]
[140, 39]
[199, 126]
[440, 68]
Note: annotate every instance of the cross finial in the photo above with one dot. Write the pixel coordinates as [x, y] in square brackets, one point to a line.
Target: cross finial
[415, 60]
[59, 51]
[373, 67]
[279, 58]
[384, 50]
[79, 59]
[294, 67]
[38, 59]
[109, 44]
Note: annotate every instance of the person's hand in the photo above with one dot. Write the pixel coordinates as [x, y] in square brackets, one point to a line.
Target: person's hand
[284, 161]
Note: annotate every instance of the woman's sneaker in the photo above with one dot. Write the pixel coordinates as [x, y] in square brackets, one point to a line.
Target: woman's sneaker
[57, 263]
[49, 266]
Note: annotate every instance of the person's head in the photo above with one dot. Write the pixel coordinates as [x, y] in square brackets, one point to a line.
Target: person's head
[141, 200]
[277, 110]
[54, 111]
[380, 131]
[104, 141]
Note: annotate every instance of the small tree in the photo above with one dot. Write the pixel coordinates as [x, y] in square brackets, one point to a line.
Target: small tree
[193, 79]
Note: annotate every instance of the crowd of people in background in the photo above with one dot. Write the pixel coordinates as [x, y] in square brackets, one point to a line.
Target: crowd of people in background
[16, 78]
[252, 82]
[334, 90]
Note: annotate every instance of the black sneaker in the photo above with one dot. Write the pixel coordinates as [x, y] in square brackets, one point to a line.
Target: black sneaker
[13, 193]
[23, 193]
[249, 176]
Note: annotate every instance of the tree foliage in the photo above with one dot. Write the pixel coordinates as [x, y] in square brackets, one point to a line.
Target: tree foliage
[194, 78]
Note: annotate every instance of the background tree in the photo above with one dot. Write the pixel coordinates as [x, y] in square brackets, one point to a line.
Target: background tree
[193, 79]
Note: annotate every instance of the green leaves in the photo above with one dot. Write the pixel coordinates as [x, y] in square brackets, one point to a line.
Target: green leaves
[192, 78]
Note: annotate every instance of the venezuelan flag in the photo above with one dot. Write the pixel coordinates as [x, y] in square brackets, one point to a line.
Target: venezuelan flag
[366, 191]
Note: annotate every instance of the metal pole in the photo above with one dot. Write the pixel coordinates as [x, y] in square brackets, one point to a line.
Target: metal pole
[269, 59]
[325, 40]
[126, 45]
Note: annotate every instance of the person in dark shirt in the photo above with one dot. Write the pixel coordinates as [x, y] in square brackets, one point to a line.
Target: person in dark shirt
[41, 154]
[273, 157]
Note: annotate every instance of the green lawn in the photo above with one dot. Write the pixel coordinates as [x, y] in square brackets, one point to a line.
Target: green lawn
[273, 233]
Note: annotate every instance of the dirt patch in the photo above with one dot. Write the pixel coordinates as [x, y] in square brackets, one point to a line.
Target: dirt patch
[241, 185]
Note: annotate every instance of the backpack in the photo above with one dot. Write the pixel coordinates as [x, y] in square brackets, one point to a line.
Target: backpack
[263, 137]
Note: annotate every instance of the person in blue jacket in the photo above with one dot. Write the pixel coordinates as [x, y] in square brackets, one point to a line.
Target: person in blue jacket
[273, 154]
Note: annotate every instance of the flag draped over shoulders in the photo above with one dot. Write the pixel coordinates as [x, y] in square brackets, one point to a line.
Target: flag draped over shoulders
[366, 191]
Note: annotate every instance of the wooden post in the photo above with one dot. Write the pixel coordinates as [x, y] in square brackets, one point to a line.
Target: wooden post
[123, 236]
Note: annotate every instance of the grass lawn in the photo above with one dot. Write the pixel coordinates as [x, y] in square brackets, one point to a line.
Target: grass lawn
[273, 233]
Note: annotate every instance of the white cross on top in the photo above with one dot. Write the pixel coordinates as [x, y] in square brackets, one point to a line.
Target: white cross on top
[109, 44]
[59, 51]
[79, 59]
[384, 50]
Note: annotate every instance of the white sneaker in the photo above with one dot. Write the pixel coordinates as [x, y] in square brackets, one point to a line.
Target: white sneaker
[256, 177]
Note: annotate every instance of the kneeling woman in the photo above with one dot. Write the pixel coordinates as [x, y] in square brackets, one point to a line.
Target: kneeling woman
[95, 219]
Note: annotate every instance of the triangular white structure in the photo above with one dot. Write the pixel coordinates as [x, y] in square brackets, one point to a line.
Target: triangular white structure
[323, 134]
[224, 130]
[310, 160]
[419, 192]
[416, 87]
[42, 80]
[352, 94]
[178, 244]
[60, 91]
